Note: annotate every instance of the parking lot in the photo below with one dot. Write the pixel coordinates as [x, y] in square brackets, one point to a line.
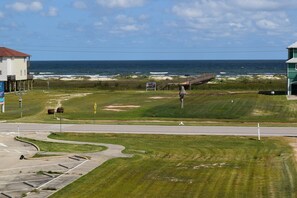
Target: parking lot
[41, 177]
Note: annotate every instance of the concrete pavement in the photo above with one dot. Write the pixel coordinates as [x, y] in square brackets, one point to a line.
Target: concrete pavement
[148, 129]
[41, 177]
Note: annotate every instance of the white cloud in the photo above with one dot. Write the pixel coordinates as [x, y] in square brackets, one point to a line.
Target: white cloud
[2, 15]
[52, 12]
[124, 19]
[36, 6]
[123, 23]
[100, 23]
[79, 5]
[22, 7]
[18, 6]
[130, 28]
[188, 12]
[267, 24]
[120, 3]
[232, 17]
[265, 4]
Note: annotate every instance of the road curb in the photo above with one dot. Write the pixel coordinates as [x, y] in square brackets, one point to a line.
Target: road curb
[20, 140]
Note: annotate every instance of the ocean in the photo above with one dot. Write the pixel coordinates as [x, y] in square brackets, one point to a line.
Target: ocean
[170, 67]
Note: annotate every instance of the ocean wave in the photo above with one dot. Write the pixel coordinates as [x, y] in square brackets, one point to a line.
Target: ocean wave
[46, 73]
[158, 73]
[73, 77]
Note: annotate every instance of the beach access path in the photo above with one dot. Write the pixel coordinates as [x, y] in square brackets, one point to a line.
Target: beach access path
[148, 129]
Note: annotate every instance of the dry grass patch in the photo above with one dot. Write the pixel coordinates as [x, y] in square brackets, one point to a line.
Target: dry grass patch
[258, 112]
[159, 97]
[58, 99]
[120, 108]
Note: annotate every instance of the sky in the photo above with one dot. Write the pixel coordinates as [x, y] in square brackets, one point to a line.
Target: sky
[149, 29]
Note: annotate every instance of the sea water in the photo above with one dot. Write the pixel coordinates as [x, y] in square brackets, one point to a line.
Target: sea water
[168, 68]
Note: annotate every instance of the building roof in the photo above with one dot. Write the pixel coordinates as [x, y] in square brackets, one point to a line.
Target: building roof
[294, 45]
[292, 60]
[6, 52]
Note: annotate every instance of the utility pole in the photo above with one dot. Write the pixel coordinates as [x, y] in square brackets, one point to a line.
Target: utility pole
[20, 94]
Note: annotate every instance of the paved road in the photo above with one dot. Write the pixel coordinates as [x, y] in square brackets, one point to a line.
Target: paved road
[140, 129]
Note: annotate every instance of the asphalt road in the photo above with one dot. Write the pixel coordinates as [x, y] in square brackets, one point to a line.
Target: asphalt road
[145, 129]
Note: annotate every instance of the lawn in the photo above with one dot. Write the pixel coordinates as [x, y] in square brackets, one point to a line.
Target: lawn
[63, 147]
[198, 105]
[222, 106]
[189, 166]
[33, 103]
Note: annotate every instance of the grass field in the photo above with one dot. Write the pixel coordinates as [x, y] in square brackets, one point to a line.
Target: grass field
[33, 103]
[199, 105]
[189, 166]
[219, 103]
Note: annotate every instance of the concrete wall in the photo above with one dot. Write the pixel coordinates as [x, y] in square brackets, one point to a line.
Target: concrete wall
[3, 69]
[17, 67]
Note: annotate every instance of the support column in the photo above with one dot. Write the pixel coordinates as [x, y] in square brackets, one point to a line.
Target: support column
[289, 87]
[3, 108]
[9, 84]
[14, 86]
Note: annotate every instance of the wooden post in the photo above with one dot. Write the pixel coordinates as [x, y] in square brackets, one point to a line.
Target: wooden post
[259, 133]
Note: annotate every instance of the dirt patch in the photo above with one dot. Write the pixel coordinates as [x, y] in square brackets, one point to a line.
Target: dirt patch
[115, 110]
[258, 112]
[57, 101]
[120, 108]
[159, 97]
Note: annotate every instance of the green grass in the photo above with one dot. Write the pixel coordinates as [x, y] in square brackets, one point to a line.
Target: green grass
[33, 103]
[221, 104]
[189, 166]
[64, 147]
[198, 105]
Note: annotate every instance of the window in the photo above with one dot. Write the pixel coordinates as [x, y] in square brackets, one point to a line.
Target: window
[25, 72]
[296, 66]
[0, 60]
[21, 72]
[0, 72]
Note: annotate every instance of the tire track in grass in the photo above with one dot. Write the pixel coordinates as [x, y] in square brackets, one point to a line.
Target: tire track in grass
[219, 186]
[290, 185]
[228, 183]
[247, 178]
[207, 176]
[234, 192]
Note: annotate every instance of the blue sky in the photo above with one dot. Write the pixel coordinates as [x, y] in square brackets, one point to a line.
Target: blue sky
[149, 29]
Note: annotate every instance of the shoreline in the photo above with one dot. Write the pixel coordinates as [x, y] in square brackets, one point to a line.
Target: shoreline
[155, 77]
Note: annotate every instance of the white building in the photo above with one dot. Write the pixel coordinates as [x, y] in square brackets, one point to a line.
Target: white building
[14, 69]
